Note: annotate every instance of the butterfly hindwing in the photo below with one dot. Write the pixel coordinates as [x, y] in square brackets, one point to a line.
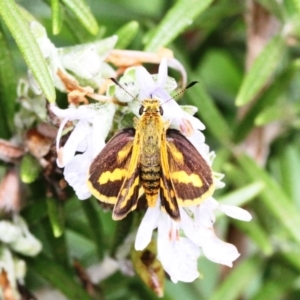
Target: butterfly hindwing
[130, 189]
[190, 174]
[108, 171]
[167, 192]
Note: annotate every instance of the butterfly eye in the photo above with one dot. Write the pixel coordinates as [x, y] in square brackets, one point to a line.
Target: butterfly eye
[161, 111]
[141, 110]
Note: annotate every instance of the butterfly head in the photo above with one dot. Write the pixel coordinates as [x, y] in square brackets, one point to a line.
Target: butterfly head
[151, 106]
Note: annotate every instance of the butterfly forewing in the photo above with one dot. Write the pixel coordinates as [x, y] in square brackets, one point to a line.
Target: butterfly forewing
[109, 169]
[190, 174]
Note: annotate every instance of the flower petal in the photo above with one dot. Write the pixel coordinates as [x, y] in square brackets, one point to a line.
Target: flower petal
[204, 215]
[76, 174]
[145, 82]
[187, 224]
[148, 224]
[220, 252]
[178, 257]
[236, 212]
[162, 73]
[102, 123]
[75, 140]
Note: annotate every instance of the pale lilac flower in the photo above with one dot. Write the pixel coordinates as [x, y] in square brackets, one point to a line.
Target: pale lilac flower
[91, 126]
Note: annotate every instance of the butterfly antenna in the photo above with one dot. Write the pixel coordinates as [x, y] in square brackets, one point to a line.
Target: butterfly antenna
[183, 90]
[120, 86]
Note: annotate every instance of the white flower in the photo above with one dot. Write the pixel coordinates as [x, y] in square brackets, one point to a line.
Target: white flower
[85, 61]
[92, 124]
[15, 269]
[172, 111]
[16, 235]
[110, 265]
[179, 243]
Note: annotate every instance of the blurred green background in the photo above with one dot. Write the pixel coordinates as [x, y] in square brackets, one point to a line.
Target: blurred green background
[245, 56]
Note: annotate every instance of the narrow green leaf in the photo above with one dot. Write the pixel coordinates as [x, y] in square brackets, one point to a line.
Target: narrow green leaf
[274, 289]
[8, 84]
[209, 113]
[126, 34]
[34, 212]
[261, 70]
[295, 7]
[274, 198]
[272, 114]
[178, 18]
[238, 280]
[57, 245]
[257, 234]
[223, 155]
[28, 46]
[57, 19]
[278, 283]
[243, 195]
[57, 276]
[83, 13]
[56, 216]
[271, 95]
[122, 230]
[290, 172]
[292, 258]
[79, 227]
[95, 226]
[30, 169]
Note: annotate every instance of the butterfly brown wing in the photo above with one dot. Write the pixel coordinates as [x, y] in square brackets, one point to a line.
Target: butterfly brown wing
[167, 191]
[109, 170]
[131, 189]
[190, 174]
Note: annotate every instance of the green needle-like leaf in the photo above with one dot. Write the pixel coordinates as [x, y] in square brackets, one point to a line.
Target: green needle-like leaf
[30, 169]
[126, 34]
[57, 276]
[95, 225]
[83, 13]
[7, 88]
[257, 233]
[290, 168]
[210, 115]
[56, 16]
[243, 195]
[178, 18]
[58, 245]
[275, 199]
[261, 70]
[238, 280]
[278, 88]
[296, 4]
[28, 46]
[55, 212]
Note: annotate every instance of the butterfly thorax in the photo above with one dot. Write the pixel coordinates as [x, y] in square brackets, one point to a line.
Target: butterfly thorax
[150, 128]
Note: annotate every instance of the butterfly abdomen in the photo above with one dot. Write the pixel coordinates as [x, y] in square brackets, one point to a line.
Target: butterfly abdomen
[150, 176]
